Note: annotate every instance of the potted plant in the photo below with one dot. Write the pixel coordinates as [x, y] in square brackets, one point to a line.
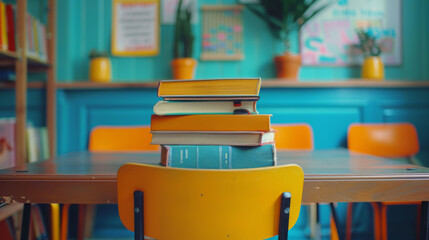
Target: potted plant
[183, 64]
[100, 68]
[283, 18]
[372, 67]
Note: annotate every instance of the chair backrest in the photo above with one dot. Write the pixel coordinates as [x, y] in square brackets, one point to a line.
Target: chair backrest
[209, 204]
[120, 139]
[384, 139]
[294, 136]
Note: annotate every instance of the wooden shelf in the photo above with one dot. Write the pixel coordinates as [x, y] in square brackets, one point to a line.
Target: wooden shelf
[269, 83]
[11, 85]
[8, 55]
[93, 85]
[7, 61]
[352, 83]
[35, 64]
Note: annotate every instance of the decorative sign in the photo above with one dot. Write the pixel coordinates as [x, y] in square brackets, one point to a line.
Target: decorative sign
[135, 27]
[330, 37]
[222, 33]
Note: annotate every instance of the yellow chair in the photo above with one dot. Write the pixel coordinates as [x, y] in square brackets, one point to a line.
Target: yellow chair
[391, 140]
[194, 204]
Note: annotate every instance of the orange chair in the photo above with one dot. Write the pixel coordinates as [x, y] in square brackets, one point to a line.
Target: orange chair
[391, 140]
[299, 137]
[111, 139]
[121, 139]
[189, 204]
[293, 136]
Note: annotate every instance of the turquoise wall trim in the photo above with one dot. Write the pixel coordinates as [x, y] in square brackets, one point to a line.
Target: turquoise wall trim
[84, 25]
[329, 111]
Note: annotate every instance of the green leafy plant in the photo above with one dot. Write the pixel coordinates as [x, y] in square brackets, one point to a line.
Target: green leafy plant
[97, 54]
[286, 16]
[183, 36]
[368, 43]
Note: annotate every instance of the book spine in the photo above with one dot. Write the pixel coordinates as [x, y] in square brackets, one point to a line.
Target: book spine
[217, 157]
[10, 27]
[3, 26]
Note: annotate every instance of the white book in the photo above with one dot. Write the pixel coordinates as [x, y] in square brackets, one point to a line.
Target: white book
[232, 138]
[204, 107]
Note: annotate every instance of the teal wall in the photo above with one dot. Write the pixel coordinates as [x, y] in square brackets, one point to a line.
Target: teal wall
[84, 25]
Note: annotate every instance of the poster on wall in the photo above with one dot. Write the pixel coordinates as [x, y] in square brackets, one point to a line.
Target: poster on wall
[222, 33]
[330, 39]
[135, 27]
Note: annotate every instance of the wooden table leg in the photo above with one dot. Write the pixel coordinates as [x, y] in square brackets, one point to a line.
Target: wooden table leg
[424, 235]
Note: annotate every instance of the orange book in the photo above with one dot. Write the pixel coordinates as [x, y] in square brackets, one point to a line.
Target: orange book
[208, 122]
[209, 87]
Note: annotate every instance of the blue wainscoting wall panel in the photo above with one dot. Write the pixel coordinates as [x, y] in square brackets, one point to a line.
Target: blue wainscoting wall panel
[328, 110]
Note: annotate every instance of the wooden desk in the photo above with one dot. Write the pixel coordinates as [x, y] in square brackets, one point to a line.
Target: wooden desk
[330, 176]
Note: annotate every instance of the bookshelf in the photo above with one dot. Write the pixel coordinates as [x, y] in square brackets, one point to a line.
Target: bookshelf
[22, 64]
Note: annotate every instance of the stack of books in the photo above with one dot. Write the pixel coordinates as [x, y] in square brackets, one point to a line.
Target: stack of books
[212, 123]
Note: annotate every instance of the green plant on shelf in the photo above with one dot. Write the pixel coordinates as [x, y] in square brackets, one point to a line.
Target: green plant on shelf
[183, 36]
[284, 17]
[98, 54]
[368, 43]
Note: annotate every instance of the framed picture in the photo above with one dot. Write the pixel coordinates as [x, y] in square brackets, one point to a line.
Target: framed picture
[135, 27]
[222, 33]
[330, 39]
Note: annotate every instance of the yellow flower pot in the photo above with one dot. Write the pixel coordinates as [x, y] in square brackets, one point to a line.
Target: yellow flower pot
[183, 68]
[373, 68]
[100, 69]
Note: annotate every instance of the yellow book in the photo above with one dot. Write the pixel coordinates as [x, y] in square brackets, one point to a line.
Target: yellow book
[209, 122]
[4, 45]
[209, 87]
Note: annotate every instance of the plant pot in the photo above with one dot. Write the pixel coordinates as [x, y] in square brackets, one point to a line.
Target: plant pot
[287, 66]
[100, 69]
[183, 68]
[373, 68]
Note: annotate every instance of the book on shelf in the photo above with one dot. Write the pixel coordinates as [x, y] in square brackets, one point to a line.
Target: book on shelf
[217, 157]
[36, 38]
[3, 26]
[10, 21]
[209, 87]
[7, 143]
[7, 75]
[208, 122]
[204, 107]
[37, 143]
[39, 226]
[232, 138]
